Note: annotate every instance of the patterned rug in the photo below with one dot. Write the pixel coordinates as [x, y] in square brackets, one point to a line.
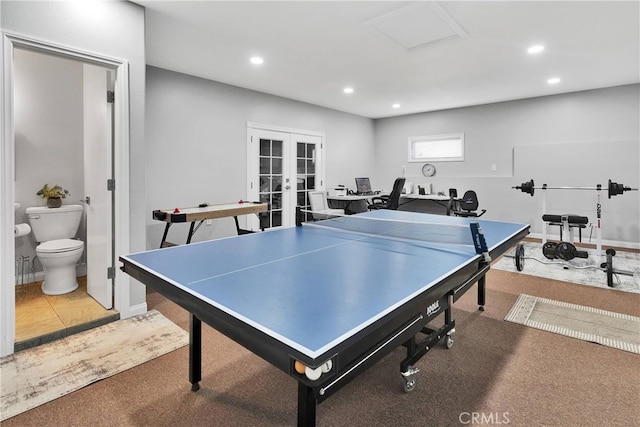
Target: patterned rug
[40, 374]
[583, 271]
[607, 328]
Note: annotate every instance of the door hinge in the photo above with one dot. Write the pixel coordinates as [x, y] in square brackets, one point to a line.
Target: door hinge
[111, 272]
[111, 185]
[111, 96]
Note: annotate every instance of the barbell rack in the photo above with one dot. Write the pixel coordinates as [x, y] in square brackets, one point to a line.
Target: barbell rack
[613, 189]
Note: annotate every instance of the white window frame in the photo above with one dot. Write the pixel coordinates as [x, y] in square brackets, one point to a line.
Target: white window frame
[453, 138]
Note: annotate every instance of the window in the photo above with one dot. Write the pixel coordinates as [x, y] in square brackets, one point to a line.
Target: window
[442, 148]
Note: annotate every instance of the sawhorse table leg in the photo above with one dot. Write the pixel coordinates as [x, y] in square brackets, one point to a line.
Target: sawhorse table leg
[164, 235]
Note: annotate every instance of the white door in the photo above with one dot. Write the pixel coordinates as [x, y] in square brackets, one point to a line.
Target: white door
[282, 167]
[97, 170]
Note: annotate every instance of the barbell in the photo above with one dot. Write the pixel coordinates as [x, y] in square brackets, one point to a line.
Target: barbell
[613, 188]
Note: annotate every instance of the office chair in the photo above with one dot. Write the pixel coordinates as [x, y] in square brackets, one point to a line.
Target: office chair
[320, 208]
[392, 201]
[453, 200]
[467, 206]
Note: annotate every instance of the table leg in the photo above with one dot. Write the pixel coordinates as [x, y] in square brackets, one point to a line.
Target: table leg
[190, 232]
[448, 313]
[164, 235]
[239, 230]
[306, 406]
[195, 352]
[481, 293]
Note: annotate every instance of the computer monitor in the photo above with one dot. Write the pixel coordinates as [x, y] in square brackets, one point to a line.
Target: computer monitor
[363, 185]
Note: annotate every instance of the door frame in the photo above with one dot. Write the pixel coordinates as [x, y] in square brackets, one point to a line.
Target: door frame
[252, 163]
[10, 41]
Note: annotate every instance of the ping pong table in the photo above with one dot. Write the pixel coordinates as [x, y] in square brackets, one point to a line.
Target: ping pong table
[322, 303]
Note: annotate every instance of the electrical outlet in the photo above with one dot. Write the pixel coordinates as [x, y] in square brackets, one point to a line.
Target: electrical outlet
[494, 167]
[208, 222]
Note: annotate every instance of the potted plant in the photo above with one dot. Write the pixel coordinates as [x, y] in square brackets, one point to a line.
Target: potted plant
[53, 195]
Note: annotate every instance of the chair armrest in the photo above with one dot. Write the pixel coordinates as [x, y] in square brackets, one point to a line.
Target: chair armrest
[380, 199]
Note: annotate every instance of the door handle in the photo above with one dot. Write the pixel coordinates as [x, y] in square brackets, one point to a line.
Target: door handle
[86, 200]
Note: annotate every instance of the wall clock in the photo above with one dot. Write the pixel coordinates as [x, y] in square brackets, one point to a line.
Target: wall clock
[428, 169]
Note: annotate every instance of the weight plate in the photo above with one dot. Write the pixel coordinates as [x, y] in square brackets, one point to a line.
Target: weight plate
[565, 251]
[549, 250]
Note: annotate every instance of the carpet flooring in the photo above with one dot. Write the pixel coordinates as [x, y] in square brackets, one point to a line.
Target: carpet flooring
[41, 374]
[496, 370]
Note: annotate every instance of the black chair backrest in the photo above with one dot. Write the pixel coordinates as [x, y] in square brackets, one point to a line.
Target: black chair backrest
[469, 201]
[394, 197]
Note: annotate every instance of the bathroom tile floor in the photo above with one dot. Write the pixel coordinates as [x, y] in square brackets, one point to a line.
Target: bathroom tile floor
[44, 318]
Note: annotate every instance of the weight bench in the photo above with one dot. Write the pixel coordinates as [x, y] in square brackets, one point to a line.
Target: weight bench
[567, 223]
[565, 250]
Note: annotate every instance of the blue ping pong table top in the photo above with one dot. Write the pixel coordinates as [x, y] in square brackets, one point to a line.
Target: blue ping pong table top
[312, 288]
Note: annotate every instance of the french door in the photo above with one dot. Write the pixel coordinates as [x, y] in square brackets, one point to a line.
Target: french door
[282, 167]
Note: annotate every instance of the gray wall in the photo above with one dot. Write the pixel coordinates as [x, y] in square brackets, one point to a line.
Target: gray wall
[48, 105]
[196, 144]
[196, 150]
[575, 139]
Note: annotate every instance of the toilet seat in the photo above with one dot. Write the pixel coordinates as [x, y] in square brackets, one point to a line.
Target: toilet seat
[59, 246]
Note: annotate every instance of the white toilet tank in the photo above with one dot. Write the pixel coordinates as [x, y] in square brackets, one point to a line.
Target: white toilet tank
[54, 223]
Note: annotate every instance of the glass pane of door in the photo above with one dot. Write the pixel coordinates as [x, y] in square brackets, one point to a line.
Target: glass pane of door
[306, 177]
[271, 164]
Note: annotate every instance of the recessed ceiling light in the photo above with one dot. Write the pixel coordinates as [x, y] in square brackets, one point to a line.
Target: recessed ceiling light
[553, 80]
[256, 60]
[348, 90]
[395, 106]
[535, 49]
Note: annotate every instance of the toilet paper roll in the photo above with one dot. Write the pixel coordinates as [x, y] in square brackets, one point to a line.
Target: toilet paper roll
[20, 230]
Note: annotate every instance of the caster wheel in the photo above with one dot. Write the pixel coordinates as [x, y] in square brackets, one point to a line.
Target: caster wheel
[409, 384]
[449, 342]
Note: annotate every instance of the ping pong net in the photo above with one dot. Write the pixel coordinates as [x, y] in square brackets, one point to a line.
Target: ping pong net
[439, 235]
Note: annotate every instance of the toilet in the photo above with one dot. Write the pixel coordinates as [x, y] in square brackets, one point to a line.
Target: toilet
[54, 229]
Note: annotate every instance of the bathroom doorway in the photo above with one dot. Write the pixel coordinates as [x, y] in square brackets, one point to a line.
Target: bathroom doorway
[64, 128]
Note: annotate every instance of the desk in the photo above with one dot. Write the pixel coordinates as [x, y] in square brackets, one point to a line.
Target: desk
[280, 301]
[352, 203]
[203, 213]
[426, 203]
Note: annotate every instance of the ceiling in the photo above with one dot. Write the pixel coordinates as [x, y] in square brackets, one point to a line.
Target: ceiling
[424, 56]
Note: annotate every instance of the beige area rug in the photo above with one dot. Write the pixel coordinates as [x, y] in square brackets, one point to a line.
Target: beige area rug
[582, 271]
[40, 374]
[607, 328]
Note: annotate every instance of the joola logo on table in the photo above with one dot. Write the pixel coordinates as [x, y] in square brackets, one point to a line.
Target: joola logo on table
[433, 308]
